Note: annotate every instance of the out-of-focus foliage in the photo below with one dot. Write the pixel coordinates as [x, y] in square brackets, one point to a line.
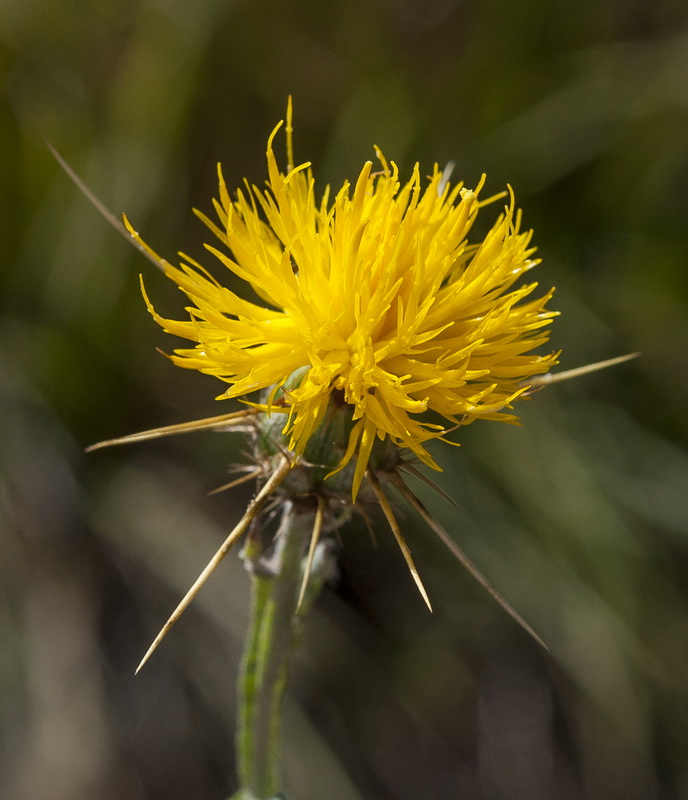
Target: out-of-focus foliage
[579, 516]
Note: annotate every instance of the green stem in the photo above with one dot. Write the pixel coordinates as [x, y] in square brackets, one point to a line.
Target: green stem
[272, 629]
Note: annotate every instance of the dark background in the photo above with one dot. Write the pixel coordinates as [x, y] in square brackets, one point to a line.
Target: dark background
[579, 516]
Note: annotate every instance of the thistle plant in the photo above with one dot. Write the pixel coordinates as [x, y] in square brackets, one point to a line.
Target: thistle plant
[379, 327]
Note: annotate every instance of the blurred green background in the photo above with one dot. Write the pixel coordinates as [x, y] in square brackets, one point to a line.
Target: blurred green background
[580, 516]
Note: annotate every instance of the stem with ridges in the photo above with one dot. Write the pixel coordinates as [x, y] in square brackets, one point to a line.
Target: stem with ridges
[272, 632]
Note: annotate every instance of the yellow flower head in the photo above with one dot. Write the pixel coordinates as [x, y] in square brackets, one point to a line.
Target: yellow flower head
[375, 299]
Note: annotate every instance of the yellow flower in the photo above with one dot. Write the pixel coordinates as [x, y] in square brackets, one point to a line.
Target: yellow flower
[376, 296]
[379, 318]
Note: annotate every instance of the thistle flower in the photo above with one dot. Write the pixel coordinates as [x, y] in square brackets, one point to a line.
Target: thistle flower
[376, 318]
[379, 326]
[376, 300]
